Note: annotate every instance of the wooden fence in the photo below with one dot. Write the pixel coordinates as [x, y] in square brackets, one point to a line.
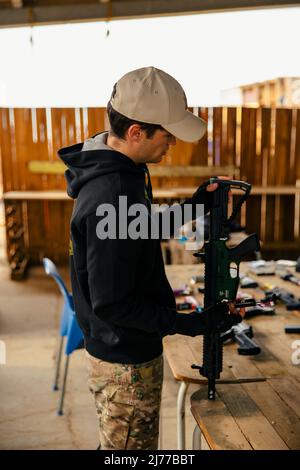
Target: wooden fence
[259, 145]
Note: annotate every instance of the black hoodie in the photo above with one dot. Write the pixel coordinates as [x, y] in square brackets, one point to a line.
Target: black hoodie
[123, 301]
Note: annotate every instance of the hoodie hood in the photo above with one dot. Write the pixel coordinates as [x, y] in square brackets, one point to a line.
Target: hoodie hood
[93, 158]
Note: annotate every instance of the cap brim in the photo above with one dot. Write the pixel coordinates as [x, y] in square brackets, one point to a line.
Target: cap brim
[190, 129]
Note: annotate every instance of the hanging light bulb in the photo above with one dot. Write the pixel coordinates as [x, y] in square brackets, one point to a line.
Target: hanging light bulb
[31, 40]
[107, 33]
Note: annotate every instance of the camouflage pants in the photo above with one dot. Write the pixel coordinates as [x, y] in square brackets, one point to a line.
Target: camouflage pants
[127, 399]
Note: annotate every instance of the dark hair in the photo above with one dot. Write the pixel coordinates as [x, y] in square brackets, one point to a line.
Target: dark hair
[120, 124]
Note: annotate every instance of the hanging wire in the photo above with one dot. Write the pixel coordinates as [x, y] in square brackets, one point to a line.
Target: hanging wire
[107, 32]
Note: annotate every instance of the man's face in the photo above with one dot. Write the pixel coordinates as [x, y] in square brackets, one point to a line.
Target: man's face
[154, 148]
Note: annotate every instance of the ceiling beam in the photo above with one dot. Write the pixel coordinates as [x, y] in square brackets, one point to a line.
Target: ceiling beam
[17, 3]
[115, 9]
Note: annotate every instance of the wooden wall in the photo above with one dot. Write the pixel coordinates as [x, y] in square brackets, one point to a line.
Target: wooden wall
[263, 145]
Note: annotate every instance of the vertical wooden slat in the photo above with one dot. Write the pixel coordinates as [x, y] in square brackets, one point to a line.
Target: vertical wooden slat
[271, 165]
[231, 138]
[287, 212]
[202, 148]
[253, 208]
[249, 160]
[23, 142]
[248, 145]
[6, 150]
[283, 146]
[258, 161]
[266, 210]
[96, 120]
[36, 230]
[270, 219]
[283, 174]
[217, 136]
[39, 147]
[63, 134]
[297, 147]
[54, 229]
[265, 142]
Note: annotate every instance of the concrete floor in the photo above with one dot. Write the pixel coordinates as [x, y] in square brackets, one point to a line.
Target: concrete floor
[29, 321]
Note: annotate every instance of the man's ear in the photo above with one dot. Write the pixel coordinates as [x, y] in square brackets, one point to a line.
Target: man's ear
[134, 133]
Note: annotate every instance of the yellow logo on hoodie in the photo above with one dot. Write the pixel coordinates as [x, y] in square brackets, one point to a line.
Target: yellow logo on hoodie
[70, 248]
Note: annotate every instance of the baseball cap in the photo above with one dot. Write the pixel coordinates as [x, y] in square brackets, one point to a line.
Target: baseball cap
[151, 95]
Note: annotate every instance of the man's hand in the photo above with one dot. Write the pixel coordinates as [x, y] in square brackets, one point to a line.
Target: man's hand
[212, 187]
[235, 311]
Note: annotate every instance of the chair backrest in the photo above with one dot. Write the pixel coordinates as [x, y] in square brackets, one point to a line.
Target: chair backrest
[74, 336]
[52, 271]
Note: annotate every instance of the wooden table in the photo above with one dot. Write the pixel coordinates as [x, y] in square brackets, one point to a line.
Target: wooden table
[257, 402]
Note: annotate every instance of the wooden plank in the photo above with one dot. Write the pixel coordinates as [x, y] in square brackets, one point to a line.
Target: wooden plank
[190, 170]
[58, 137]
[159, 193]
[271, 404]
[217, 424]
[269, 219]
[258, 162]
[23, 139]
[231, 158]
[58, 167]
[36, 195]
[253, 217]
[63, 135]
[54, 236]
[6, 144]
[271, 162]
[297, 147]
[248, 144]
[96, 120]
[63, 128]
[217, 136]
[283, 146]
[288, 390]
[201, 157]
[179, 358]
[40, 147]
[287, 214]
[36, 231]
[265, 142]
[258, 431]
[182, 351]
[46, 167]
[178, 157]
[270, 334]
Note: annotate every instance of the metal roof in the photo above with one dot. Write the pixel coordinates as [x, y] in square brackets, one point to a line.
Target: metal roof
[33, 12]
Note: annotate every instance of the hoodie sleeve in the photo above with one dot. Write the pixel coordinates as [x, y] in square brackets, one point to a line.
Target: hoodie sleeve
[112, 266]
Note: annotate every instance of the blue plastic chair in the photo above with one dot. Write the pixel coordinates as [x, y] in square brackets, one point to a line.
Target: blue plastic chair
[69, 328]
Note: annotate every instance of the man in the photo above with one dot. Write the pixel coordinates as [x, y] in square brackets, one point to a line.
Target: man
[123, 301]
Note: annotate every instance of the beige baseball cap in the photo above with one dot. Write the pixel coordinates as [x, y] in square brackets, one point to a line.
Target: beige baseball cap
[151, 95]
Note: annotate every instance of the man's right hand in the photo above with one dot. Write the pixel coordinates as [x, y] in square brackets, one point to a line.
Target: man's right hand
[200, 323]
